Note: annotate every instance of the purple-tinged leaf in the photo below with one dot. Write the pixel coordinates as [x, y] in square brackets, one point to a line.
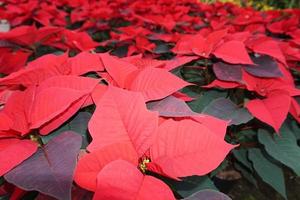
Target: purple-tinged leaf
[208, 195]
[171, 107]
[225, 109]
[265, 67]
[228, 72]
[50, 170]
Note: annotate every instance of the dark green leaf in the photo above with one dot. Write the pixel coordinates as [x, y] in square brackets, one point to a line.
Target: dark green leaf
[205, 99]
[269, 172]
[242, 156]
[77, 124]
[282, 147]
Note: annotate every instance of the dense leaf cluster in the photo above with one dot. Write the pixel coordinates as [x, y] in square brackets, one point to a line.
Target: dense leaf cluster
[145, 99]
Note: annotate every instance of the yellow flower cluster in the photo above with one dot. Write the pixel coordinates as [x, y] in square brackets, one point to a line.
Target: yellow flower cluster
[260, 5]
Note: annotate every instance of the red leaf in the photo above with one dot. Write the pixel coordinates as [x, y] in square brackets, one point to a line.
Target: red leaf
[265, 86]
[37, 71]
[199, 45]
[91, 164]
[222, 84]
[117, 68]
[56, 95]
[217, 126]
[211, 41]
[269, 47]
[98, 92]
[178, 61]
[13, 152]
[156, 83]
[122, 116]
[181, 149]
[273, 110]
[6, 122]
[17, 109]
[85, 62]
[12, 61]
[114, 184]
[233, 52]
[63, 117]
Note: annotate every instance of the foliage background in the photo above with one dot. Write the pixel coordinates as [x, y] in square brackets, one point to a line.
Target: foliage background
[263, 4]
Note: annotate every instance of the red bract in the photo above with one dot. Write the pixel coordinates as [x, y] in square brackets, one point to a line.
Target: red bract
[138, 139]
[143, 70]
[13, 152]
[153, 83]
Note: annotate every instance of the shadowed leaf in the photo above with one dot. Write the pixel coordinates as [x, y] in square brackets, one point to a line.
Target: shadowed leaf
[50, 169]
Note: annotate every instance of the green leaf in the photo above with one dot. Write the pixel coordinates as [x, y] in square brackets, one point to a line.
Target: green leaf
[242, 156]
[5, 197]
[204, 100]
[282, 147]
[269, 172]
[77, 124]
[220, 168]
[2, 181]
[225, 109]
[246, 136]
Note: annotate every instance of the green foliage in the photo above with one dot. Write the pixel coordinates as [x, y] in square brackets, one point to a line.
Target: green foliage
[282, 147]
[263, 4]
[268, 171]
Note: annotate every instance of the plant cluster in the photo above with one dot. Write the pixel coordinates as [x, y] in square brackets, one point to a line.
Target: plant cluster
[145, 99]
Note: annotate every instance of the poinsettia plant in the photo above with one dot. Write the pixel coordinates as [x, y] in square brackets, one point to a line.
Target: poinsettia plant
[145, 99]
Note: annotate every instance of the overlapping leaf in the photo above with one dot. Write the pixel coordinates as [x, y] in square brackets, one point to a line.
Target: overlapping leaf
[55, 163]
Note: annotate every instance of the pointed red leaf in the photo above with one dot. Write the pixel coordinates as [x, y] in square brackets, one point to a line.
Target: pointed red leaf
[63, 117]
[85, 62]
[122, 116]
[13, 152]
[156, 83]
[269, 47]
[91, 164]
[178, 61]
[210, 43]
[17, 109]
[222, 84]
[38, 71]
[56, 95]
[181, 149]
[233, 52]
[217, 126]
[272, 110]
[117, 68]
[114, 184]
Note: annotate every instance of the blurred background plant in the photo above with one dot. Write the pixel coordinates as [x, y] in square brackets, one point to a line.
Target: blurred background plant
[263, 4]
